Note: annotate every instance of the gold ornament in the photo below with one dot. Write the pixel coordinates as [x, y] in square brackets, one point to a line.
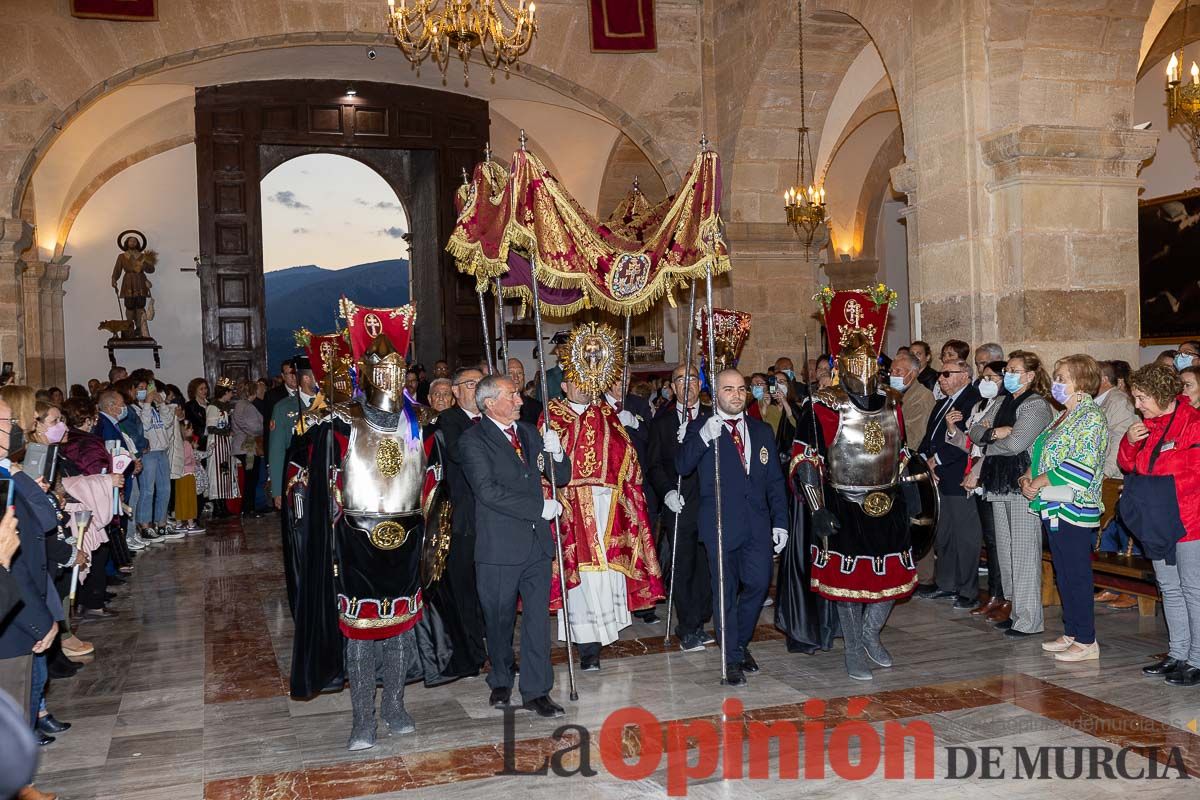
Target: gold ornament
[594, 358]
[388, 535]
[877, 504]
[389, 458]
[873, 438]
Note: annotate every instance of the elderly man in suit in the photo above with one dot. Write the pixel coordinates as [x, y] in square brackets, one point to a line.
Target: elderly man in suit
[754, 511]
[959, 535]
[503, 460]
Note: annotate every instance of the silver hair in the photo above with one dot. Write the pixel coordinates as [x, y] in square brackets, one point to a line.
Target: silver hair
[440, 382]
[994, 351]
[905, 355]
[488, 389]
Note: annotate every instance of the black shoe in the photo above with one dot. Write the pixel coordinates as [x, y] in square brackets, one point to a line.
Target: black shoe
[963, 603]
[1013, 633]
[748, 662]
[1187, 675]
[42, 739]
[691, 643]
[110, 596]
[926, 589]
[1162, 668]
[48, 724]
[64, 668]
[1003, 626]
[648, 616]
[734, 675]
[590, 663]
[116, 580]
[940, 594]
[500, 698]
[707, 638]
[544, 707]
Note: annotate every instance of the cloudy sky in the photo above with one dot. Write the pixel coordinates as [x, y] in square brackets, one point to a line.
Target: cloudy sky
[331, 211]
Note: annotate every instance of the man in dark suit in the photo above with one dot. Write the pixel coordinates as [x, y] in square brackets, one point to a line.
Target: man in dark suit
[531, 407]
[754, 511]
[693, 594]
[460, 561]
[959, 534]
[503, 460]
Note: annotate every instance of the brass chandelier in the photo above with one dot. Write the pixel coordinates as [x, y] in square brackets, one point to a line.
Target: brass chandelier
[436, 28]
[1183, 95]
[804, 206]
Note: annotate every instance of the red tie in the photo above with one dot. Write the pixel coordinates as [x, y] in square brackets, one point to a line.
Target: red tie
[475, 420]
[516, 443]
[737, 440]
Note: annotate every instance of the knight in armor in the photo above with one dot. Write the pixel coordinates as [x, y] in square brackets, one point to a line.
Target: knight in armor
[361, 609]
[850, 469]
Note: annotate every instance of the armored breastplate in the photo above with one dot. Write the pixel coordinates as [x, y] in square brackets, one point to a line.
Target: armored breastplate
[865, 453]
[383, 470]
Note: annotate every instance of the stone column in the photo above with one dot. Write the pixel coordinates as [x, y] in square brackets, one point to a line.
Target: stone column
[42, 323]
[15, 237]
[774, 279]
[31, 322]
[1065, 238]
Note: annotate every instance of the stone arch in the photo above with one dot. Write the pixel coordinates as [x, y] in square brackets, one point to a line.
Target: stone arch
[613, 113]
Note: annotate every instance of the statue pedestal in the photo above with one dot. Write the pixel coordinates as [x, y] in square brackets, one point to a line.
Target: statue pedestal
[116, 343]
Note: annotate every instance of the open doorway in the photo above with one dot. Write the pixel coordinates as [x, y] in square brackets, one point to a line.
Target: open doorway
[331, 225]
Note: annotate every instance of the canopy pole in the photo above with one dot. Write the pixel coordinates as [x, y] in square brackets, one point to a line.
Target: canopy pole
[503, 331]
[625, 374]
[687, 382]
[487, 335]
[558, 549]
[712, 361]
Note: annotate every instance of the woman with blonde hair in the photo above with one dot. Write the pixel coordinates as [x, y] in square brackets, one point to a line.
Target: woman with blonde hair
[1063, 487]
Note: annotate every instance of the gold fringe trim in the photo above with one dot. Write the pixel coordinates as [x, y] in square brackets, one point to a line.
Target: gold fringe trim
[858, 594]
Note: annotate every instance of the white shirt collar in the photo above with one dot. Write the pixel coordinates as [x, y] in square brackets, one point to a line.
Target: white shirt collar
[726, 417]
[503, 428]
[1100, 397]
[579, 408]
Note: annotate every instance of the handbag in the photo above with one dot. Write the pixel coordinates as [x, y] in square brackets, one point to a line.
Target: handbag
[1057, 494]
[1149, 507]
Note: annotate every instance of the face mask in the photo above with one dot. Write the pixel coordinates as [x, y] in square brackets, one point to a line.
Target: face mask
[16, 439]
[665, 392]
[56, 432]
[938, 394]
[988, 389]
[141, 395]
[757, 391]
[1183, 360]
[1059, 392]
[123, 413]
[791, 373]
[1012, 382]
[897, 383]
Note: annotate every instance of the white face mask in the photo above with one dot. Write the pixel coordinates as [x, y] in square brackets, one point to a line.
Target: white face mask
[897, 383]
[988, 389]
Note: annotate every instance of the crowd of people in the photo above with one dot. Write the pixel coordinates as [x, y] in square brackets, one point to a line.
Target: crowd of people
[1025, 455]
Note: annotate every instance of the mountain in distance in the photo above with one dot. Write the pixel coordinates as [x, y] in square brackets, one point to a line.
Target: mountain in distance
[307, 297]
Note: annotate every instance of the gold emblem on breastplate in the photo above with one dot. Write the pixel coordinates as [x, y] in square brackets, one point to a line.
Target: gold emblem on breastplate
[873, 438]
[876, 504]
[389, 458]
[388, 535]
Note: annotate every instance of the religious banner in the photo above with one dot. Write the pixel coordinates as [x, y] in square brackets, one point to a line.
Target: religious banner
[730, 332]
[365, 323]
[588, 263]
[123, 10]
[622, 26]
[862, 311]
[327, 352]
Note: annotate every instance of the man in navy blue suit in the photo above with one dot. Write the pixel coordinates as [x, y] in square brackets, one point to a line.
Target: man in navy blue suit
[754, 511]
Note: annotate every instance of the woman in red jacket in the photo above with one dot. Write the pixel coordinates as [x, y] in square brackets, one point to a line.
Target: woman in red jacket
[1168, 443]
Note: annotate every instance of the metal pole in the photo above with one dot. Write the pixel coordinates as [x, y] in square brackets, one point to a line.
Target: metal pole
[558, 551]
[687, 382]
[712, 360]
[503, 330]
[625, 375]
[487, 336]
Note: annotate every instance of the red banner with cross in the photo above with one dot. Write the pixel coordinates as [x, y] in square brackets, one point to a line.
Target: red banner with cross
[366, 323]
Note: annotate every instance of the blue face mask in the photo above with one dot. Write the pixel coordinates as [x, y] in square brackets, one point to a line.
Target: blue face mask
[141, 395]
[1184, 360]
[1012, 382]
[896, 382]
[123, 414]
[791, 373]
[757, 391]
[1059, 392]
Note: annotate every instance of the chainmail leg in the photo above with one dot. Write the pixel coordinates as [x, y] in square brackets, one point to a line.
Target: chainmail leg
[874, 617]
[851, 617]
[397, 652]
[360, 670]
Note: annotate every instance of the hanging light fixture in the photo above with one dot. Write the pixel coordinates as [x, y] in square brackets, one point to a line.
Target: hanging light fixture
[436, 28]
[804, 203]
[1183, 93]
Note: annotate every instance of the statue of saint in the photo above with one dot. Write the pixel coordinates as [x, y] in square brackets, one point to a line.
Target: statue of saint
[133, 265]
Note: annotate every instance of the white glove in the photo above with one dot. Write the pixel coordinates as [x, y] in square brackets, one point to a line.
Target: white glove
[551, 509]
[674, 501]
[679, 437]
[553, 445]
[712, 429]
[628, 419]
[780, 537]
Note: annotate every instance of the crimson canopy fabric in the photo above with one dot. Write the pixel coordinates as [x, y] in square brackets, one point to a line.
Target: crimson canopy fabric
[125, 10]
[622, 26]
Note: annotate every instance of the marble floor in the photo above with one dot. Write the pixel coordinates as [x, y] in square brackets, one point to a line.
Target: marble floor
[186, 698]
